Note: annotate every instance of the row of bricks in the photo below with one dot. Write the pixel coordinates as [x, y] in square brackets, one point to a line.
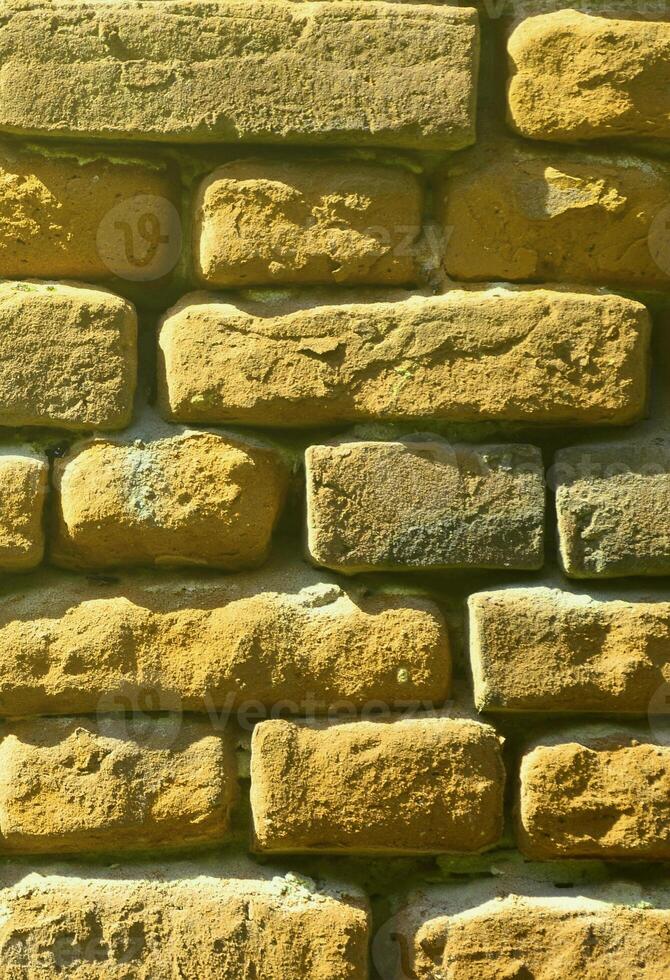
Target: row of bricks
[417, 785]
[212, 919]
[285, 636]
[504, 210]
[416, 86]
[163, 495]
[68, 357]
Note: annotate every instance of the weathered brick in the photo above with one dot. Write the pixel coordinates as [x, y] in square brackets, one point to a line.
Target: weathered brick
[423, 503]
[578, 77]
[201, 920]
[515, 211]
[423, 785]
[613, 509]
[488, 929]
[509, 354]
[595, 793]
[73, 784]
[86, 216]
[543, 649]
[24, 478]
[285, 635]
[259, 222]
[192, 498]
[67, 356]
[265, 72]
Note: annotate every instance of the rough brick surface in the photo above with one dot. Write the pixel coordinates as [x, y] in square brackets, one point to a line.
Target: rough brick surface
[72, 784]
[542, 649]
[196, 920]
[265, 72]
[537, 355]
[599, 793]
[188, 498]
[166, 642]
[487, 930]
[578, 77]
[58, 213]
[259, 222]
[67, 356]
[24, 478]
[516, 211]
[424, 504]
[424, 785]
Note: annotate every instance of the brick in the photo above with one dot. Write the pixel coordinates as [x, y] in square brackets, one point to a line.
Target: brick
[24, 478]
[578, 77]
[260, 222]
[67, 356]
[201, 920]
[58, 215]
[613, 509]
[514, 211]
[595, 793]
[489, 929]
[506, 354]
[421, 785]
[423, 503]
[274, 72]
[73, 784]
[192, 642]
[192, 498]
[542, 649]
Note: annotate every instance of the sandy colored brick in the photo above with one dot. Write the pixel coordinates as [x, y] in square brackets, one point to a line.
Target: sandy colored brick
[573, 76]
[424, 504]
[68, 356]
[613, 509]
[76, 784]
[597, 792]
[84, 216]
[543, 649]
[514, 211]
[24, 478]
[508, 354]
[192, 498]
[234, 71]
[420, 785]
[495, 928]
[259, 222]
[201, 920]
[173, 641]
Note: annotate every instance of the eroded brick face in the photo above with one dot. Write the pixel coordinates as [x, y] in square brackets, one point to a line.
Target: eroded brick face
[333, 386]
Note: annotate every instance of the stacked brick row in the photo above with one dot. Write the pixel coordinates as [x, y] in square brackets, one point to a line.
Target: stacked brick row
[327, 393]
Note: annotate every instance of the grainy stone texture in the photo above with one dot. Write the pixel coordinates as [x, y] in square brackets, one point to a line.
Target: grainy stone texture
[58, 212]
[198, 921]
[494, 929]
[260, 222]
[514, 211]
[424, 504]
[192, 498]
[418, 785]
[199, 642]
[578, 77]
[67, 356]
[542, 649]
[595, 793]
[73, 784]
[398, 75]
[536, 355]
[24, 478]
[613, 509]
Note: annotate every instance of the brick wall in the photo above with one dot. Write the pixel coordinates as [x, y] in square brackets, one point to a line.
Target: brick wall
[333, 386]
